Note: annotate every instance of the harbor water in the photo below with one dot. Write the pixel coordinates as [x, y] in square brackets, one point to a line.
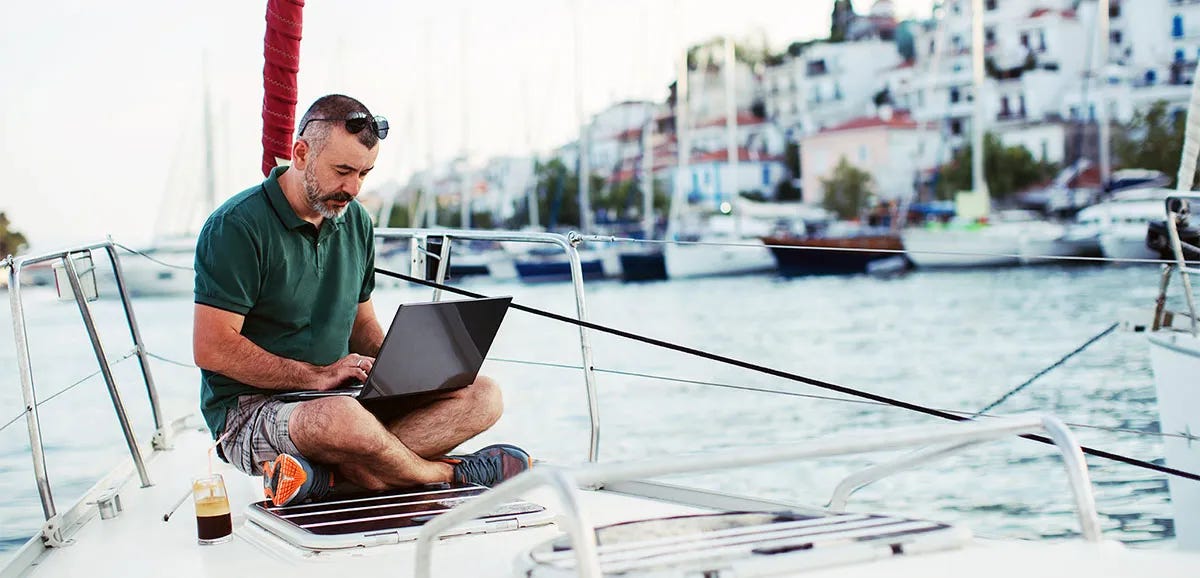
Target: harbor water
[954, 340]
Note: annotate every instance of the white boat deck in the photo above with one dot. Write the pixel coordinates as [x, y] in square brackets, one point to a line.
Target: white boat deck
[139, 543]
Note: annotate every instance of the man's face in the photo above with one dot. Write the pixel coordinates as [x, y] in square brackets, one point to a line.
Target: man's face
[334, 176]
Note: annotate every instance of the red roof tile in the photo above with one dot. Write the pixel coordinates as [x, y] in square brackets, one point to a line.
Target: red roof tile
[900, 120]
[743, 119]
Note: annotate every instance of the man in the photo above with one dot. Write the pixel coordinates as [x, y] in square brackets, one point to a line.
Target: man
[284, 274]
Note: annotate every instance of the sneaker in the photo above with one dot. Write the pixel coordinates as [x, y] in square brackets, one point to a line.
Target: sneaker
[291, 479]
[489, 466]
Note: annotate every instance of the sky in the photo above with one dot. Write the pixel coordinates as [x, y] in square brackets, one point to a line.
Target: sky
[101, 103]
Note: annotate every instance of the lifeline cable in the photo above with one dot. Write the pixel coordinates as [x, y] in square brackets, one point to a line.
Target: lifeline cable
[1039, 374]
[782, 374]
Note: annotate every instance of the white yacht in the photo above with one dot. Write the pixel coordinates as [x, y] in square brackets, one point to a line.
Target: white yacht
[1174, 340]
[163, 268]
[1119, 224]
[724, 247]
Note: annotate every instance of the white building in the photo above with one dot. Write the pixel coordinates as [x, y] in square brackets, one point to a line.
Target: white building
[613, 137]
[893, 148]
[827, 83]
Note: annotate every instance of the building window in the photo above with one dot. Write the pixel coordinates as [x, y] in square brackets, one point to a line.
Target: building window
[1025, 39]
[989, 36]
[1177, 26]
[1074, 113]
[956, 128]
[1115, 37]
[1041, 40]
[955, 95]
[989, 5]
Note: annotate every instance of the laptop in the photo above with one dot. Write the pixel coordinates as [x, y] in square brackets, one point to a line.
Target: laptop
[429, 347]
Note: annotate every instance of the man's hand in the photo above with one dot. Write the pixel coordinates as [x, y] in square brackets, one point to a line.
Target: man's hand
[353, 367]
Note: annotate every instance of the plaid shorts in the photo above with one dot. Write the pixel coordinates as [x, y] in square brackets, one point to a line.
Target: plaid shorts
[260, 433]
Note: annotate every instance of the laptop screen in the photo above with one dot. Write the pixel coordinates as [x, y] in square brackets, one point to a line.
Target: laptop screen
[435, 346]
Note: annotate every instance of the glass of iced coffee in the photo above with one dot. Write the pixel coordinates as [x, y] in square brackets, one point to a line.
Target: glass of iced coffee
[214, 524]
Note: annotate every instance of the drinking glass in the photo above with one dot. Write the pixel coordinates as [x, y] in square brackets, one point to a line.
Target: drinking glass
[214, 524]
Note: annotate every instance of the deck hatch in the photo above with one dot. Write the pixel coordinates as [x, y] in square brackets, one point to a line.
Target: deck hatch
[360, 520]
[749, 543]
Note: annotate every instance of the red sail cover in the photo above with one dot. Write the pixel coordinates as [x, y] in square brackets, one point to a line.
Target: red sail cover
[281, 49]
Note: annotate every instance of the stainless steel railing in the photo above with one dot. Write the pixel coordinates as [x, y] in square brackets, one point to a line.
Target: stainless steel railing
[418, 240]
[51, 531]
[563, 482]
[1178, 207]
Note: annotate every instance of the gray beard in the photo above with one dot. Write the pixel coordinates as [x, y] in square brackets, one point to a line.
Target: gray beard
[316, 201]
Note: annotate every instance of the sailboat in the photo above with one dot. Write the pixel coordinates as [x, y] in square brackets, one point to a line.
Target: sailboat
[164, 266]
[713, 244]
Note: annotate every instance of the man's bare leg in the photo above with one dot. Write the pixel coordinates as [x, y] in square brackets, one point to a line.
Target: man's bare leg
[338, 430]
[432, 430]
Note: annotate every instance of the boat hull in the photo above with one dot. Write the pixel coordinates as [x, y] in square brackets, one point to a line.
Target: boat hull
[1126, 243]
[1175, 359]
[549, 270]
[797, 257]
[961, 248]
[643, 266]
[695, 261]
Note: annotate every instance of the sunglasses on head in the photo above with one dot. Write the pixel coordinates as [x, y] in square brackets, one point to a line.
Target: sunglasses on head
[355, 123]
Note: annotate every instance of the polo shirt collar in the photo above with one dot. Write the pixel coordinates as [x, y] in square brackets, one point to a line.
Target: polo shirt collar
[283, 209]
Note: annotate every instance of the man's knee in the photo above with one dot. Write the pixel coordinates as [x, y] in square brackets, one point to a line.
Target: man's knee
[486, 400]
[332, 423]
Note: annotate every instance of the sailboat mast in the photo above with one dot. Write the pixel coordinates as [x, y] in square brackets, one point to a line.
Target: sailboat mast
[210, 163]
[428, 204]
[1102, 112]
[731, 128]
[585, 169]
[464, 179]
[979, 183]
[648, 178]
[683, 146]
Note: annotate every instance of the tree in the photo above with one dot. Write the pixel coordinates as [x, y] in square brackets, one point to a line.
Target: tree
[558, 196]
[1153, 140]
[1006, 169]
[11, 242]
[847, 191]
[843, 15]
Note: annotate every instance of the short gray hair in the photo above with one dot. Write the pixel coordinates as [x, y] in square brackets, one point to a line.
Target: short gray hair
[332, 106]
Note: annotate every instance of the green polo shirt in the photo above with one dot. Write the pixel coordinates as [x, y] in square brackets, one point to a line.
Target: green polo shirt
[297, 287]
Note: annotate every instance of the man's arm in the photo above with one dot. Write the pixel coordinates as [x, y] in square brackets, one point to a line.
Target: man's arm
[366, 337]
[218, 345]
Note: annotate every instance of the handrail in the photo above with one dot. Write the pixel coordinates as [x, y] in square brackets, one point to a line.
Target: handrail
[583, 541]
[51, 530]
[1177, 205]
[566, 242]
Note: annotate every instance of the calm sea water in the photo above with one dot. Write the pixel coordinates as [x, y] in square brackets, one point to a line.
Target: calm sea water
[954, 340]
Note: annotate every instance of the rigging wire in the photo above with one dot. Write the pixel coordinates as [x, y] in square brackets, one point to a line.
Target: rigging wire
[630, 240]
[1062, 258]
[66, 389]
[163, 263]
[1048, 369]
[783, 374]
[1126, 430]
